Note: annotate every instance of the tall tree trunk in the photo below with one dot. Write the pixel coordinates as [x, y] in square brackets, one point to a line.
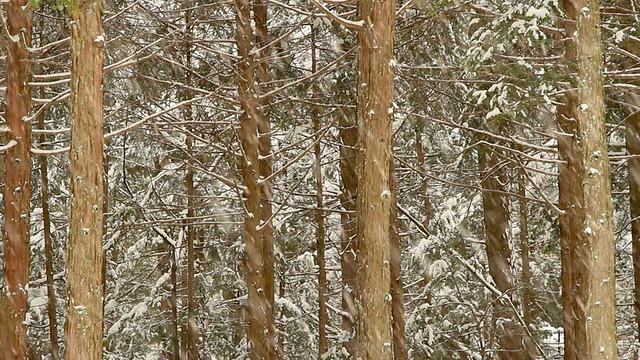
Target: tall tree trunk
[570, 198]
[48, 247]
[259, 308]
[590, 291]
[348, 266]
[528, 295]
[265, 168]
[84, 258]
[191, 328]
[319, 214]
[191, 345]
[397, 289]
[375, 108]
[17, 160]
[496, 227]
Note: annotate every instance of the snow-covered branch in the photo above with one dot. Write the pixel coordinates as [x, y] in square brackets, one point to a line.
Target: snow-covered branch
[356, 25]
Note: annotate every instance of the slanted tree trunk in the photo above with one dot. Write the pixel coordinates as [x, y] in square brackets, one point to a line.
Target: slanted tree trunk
[258, 304]
[496, 227]
[373, 205]
[84, 258]
[590, 291]
[265, 169]
[17, 191]
[319, 213]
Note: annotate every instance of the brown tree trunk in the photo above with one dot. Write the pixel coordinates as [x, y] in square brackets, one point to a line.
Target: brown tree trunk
[348, 197]
[48, 248]
[319, 214]
[570, 198]
[17, 160]
[528, 295]
[590, 291]
[191, 328]
[169, 333]
[397, 289]
[428, 208]
[496, 227]
[375, 108]
[191, 336]
[265, 169]
[84, 258]
[259, 306]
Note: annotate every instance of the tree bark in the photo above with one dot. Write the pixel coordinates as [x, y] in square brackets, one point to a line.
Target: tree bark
[428, 208]
[84, 258]
[348, 266]
[590, 291]
[17, 160]
[265, 168]
[191, 336]
[319, 213]
[259, 306]
[496, 227]
[373, 205]
[48, 247]
[397, 288]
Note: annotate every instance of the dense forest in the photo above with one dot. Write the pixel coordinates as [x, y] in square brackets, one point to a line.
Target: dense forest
[320, 179]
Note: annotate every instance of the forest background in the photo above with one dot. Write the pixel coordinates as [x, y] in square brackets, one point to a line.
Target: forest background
[257, 178]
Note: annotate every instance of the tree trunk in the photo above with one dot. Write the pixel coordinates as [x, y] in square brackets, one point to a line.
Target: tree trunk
[528, 295]
[375, 108]
[397, 289]
[191, 327]
[191, 345]
[348, 197]
[590, 289]
[496, 227]
[17, 160]
[265, 169]
[319, 213]
[84, 258]
[48, 247]
[428, 208]
[259, 306]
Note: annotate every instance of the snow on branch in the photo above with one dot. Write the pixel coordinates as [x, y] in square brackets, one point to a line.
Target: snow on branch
[356, 25]
[8, 146]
